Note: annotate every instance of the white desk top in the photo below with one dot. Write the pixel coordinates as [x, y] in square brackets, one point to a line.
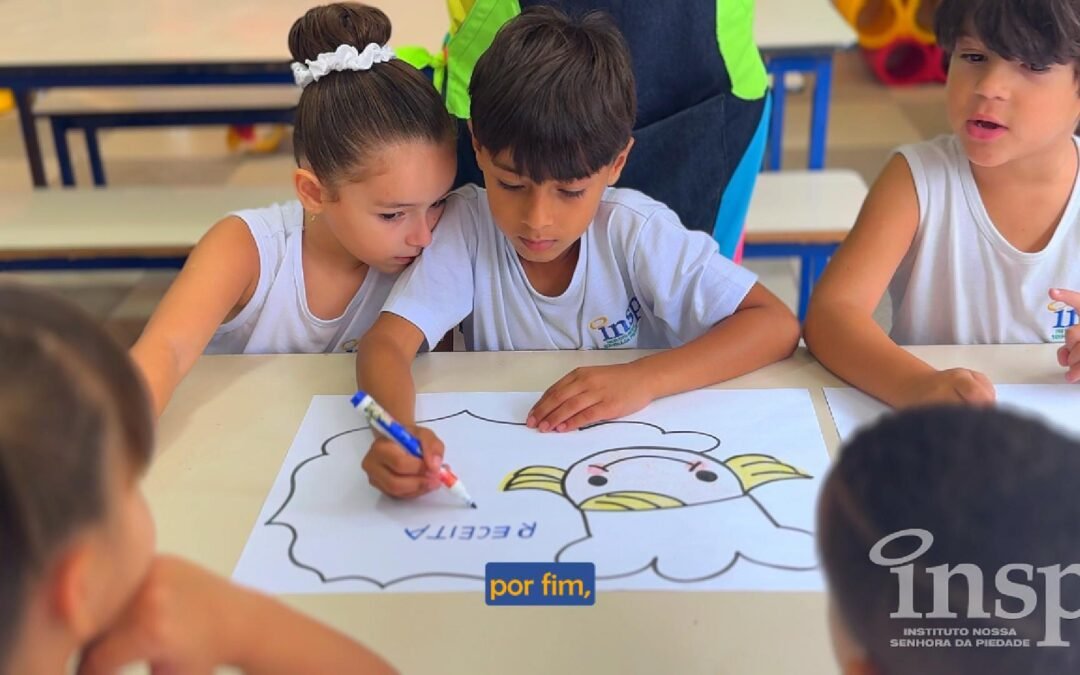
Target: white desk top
[119, 221]
[58, 32]
[223, 438]
[168, 221]
[83, 100]
[804, 205]
[61, 32]
[791, 25]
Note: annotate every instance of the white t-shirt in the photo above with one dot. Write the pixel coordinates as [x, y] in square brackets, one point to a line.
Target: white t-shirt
[277, 319]
[961, 282]
[642, 281]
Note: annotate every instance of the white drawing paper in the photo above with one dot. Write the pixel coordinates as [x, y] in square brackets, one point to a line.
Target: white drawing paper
[1055, 404]
[705, 490]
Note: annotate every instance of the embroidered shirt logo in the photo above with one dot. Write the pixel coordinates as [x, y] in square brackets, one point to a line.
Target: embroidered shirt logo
[621, 331]
[1064, 317]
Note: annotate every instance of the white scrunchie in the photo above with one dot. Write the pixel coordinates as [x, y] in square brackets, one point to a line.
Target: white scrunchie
[346, 57]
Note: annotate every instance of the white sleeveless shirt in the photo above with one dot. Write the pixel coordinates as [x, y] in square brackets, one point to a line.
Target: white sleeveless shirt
[277, 319]
[961, 282]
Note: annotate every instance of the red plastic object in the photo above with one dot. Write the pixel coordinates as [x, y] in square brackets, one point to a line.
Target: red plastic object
[939, 64]
[906, 61]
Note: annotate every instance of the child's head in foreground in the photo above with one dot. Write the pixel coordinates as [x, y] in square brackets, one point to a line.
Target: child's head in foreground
[976, 490]
[1013, 88]
[76, 433]
[553, 107]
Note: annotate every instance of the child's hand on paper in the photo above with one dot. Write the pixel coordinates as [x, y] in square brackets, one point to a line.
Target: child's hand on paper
[588, 395]
[396, 473]
[956, 385]
[1069, 355]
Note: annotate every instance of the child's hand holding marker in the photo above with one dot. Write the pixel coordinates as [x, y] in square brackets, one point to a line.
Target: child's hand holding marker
[398, 473]
[405, 461]
[1069, 355]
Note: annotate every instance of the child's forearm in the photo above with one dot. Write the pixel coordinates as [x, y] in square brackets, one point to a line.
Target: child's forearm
[385, 372]
[745, 341]
[160, 370]
[851, 345]
[302, 645]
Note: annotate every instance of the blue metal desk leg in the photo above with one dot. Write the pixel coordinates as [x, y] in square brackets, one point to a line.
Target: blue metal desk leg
[819, 117]
[63, 153]
[24, 102]
[776, 122]
[812, 260]
[812, 265]
[93, 151]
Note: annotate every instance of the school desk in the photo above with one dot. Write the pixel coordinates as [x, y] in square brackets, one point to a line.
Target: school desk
[56, 43]
[118, 228]
[800, 36]
[224, 435]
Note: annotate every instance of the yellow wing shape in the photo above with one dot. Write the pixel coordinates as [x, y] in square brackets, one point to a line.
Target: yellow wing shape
[755, 470]
[535, 478]
[630, 501]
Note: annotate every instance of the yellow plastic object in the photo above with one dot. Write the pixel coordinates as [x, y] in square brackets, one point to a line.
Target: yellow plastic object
[881, 22]
[877, 22]
[922, 20]
[7, 100]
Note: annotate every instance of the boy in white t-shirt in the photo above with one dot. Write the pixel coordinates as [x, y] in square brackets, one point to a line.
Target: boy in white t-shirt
[976, 234]
[551, 257]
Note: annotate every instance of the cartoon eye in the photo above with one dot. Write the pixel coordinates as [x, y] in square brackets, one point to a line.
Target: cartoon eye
[600, 480]
[706, 476]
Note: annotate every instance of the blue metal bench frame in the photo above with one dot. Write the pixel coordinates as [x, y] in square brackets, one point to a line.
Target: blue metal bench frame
[820, 65]
[107, 263]
[812, 260]
[24, 81]
[90, 123]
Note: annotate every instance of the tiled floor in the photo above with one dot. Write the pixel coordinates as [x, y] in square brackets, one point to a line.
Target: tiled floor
[866, 122]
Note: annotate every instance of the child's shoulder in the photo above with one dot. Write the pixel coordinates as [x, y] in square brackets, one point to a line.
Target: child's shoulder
[636, 219]
[628, 205]
[467, 204]
[280, 220]
[944, 150]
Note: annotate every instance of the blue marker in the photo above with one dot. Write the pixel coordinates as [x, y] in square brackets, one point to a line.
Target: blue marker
[387, 426]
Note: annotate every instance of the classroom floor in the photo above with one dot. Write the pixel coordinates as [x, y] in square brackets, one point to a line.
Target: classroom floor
[867, 120]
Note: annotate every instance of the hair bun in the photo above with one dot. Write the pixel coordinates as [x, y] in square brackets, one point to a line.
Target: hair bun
[327, 27]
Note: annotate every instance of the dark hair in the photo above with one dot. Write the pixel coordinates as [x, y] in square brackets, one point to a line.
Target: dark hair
[558, 93]
[348, 116]
[1037, 32]
[67, 394]
[992, 488]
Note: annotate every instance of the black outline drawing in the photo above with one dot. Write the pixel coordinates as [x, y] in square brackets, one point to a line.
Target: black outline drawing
[653, 564]
[294, 535]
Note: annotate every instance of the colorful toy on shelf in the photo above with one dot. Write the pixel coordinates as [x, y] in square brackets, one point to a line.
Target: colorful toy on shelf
[907, 61]
[249, 138]
[897, 37]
